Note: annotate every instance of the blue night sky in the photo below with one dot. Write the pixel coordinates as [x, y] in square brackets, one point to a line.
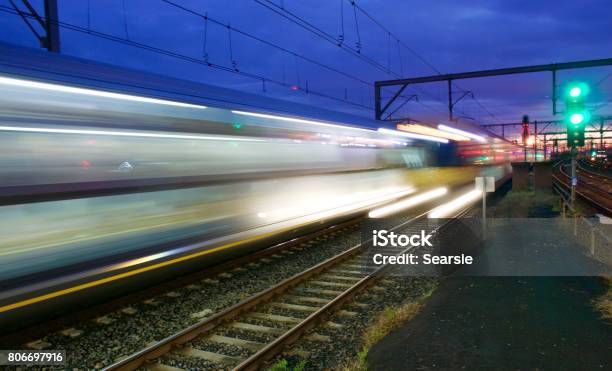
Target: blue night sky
[453, 36]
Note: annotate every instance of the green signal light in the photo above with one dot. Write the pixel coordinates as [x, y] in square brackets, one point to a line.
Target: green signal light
[237, 126]
[575, 92]
[577, 118]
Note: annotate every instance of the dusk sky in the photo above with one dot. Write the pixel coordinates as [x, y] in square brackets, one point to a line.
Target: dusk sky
[452, 36]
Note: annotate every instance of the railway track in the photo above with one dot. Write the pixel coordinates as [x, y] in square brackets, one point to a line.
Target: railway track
[594, 188]
[252, 332]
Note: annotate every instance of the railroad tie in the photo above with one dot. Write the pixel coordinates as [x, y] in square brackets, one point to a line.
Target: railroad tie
[340, 278]
[210, 356]
[331, 284]
[295, 307]
[317, 337]
[247, 344]
[162, 367]
[307, 299]
[275, 317]
[346, 313]
[323, 292]
[346, 272]
[257, 328]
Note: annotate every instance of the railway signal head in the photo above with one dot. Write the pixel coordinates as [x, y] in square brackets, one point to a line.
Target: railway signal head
[576, 113]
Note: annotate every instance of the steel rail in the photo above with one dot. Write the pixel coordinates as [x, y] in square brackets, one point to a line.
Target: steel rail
[275, 347]
[259, 359]
[589, 196]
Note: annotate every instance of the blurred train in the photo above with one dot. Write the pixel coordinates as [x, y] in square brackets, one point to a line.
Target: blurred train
[109, 175]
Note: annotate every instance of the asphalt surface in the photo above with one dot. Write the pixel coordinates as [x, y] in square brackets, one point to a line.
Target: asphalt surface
[544, 323]
[526, 303]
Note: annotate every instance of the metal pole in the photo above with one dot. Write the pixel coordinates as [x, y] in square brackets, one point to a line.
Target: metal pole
[593, 241]
[574, 179]
[554, 92]
[484, 214]
[52, 26]
[535, 140]
[450, 100]
[601, 132]
[377, 112]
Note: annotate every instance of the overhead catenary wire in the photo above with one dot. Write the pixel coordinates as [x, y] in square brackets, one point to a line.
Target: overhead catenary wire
[331, 39]
[356, 53]
[125, 24]
[295, 54]
[270, 44]
[417, 55]
[154, 49]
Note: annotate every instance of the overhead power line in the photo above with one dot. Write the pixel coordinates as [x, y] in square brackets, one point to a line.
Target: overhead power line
[179, 56]
[300, 21]
[417, 55]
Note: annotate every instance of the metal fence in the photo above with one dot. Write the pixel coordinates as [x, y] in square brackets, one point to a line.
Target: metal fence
[595, 237]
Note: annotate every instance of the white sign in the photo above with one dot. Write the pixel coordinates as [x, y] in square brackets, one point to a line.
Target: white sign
[485, 184]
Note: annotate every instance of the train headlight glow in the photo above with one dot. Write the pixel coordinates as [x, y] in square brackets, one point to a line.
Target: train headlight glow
[92, 92]
[407, 203]
[449, 208]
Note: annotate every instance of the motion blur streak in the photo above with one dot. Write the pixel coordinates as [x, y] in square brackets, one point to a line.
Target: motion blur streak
[325, 205]
[449, 208]
[412, 135]
[293, 119]
[426, 130]
[407, 203]
[98, 186]
[123, 134]
[95, 93]
[461, 132]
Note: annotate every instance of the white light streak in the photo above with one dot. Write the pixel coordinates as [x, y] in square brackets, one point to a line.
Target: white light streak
[332, 205]
[426, 130]
[302, 121]
[449, 208]
[92, 92]
[122, 134]
[412, 135]
[461, 132]
[407, 203]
